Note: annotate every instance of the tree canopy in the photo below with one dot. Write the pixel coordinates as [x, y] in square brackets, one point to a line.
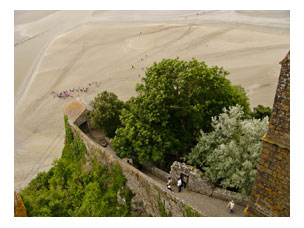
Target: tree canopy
[176, 99]
[229, 155]
[105, 114]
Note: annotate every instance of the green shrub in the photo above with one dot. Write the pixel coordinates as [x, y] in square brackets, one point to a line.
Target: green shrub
[259, 112]
[229, 155]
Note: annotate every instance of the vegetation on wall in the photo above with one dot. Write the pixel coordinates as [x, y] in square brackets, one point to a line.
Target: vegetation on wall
[71, 189]
[105, 114]
[191, 213]
[229, 155]
[176, 99]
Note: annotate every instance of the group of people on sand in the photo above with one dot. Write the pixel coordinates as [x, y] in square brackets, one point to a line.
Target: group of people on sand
[182, 183]
[62, 94]
[68, 93]
[141, 59]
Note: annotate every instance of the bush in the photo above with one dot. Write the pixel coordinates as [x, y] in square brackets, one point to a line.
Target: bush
[229, 155]
[259, 112]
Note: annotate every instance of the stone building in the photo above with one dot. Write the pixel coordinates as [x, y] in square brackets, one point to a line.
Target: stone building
[271, 192]
[77, 113]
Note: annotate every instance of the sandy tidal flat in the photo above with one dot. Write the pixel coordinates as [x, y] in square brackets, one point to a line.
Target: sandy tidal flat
[61, 50]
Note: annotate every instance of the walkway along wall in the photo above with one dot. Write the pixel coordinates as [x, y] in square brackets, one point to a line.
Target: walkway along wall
[197, 183]
[149, 195]
[271, 191]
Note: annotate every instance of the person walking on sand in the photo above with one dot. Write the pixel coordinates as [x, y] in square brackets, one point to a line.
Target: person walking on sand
[231, 206]
[179, 184]
[169, 184]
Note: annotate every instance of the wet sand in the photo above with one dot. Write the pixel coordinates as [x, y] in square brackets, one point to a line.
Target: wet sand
[68, 49]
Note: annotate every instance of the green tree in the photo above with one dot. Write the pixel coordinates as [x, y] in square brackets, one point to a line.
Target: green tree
[105, 114]
[260, 111]
[176, 99]
[229, 155]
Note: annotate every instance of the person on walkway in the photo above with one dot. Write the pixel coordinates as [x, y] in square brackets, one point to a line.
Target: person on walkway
[184, 183]
[169, 184]
[179, 184]
[231, 206]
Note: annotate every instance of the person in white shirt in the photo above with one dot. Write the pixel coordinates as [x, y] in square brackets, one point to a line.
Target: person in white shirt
[231, 206]
[179, 184]
[169, 184]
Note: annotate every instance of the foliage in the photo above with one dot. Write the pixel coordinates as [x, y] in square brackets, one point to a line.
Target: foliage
[105, 114]
[68, 189]
[230, 154]
[259, 112]
[68, 131]
[191, 213]
[176, 100]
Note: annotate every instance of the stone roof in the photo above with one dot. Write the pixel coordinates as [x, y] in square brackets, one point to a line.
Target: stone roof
[286, 58]
[271, 191]
[19, 208]
[279, 124]
[76, 108]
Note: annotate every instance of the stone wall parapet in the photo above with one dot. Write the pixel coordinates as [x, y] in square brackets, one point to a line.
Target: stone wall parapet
[156, 171]
[149, 195]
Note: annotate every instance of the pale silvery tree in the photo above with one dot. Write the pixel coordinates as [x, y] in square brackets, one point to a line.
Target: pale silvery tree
[229, 155]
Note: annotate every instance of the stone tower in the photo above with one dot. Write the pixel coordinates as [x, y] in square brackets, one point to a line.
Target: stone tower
[271, 192]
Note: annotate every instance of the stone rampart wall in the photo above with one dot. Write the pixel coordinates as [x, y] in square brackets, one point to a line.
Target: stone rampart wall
[156, 172]
[149, 195]
[198, 183]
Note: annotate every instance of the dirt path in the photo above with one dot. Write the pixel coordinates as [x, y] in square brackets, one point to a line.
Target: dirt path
[211, 206]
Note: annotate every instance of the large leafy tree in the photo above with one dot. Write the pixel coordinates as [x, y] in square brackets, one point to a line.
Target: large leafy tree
[229, 155]
[105, 114]
[176, 99]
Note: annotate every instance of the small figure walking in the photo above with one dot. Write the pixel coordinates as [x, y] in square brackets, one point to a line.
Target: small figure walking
[231, 206]
[169, 184]
[179, 184]
[184, 183]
